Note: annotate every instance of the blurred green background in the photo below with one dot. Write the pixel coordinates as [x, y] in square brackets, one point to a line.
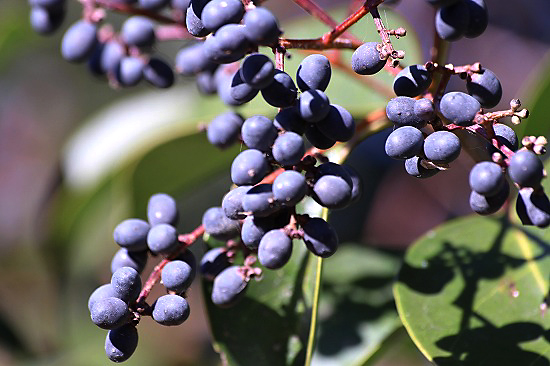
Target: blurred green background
[77, 157]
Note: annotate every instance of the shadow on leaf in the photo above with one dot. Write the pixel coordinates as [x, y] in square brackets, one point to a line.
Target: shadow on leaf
[341, 329]
[477, 341]
[492, 346]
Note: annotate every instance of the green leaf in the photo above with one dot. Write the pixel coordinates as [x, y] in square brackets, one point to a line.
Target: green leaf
[357, 308]
[472, 292]
[537, 123]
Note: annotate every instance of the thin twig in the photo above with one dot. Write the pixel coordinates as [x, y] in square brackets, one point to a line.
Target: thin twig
[387, 47]
[330, 36]
[129, 9]
[318, 44]
[315, 10]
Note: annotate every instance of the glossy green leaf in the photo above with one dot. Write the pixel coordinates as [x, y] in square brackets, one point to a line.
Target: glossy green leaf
[537, 103]
[472, 292]
[357, 311]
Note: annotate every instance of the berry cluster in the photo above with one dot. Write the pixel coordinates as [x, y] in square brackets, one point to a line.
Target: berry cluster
[118, 306]
[263, 218]
[259, 218]
[429, 150]
[269, 175]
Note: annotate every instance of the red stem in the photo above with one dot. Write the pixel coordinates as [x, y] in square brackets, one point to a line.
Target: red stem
[330, 36]
[129, 9]
[318, 44]
[172, 32]
[280, 58]
[315, 10]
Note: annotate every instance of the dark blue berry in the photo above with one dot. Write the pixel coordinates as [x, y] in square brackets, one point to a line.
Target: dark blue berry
[486, 178]
[258, 132]
[288, 148]
[170, 310]
[224, 130]
[132, 234]
[404, 142]
[289, 187]
[138, 31]
[366, 60]
[332, 191]
[413, 167]
[257, 70]
[162, 209]
[232, 203]
[229, 44]
[338, 124]
[313, 105]
[442, 147]
[506, 136]
[218, 225]
[459, 108]
[249, 167]
[259, 201]
[261, 26]
[46, 20]
[526, 169]
[314, 72]
[126, 283]
[412, 81]
[289, 120]
[533, 207]
[479, 18]
[177, 276]
[485, 87]
[486, 205]
[129, 71]
[401, 111]
[162, 239]
[229, 286]
[320, 238]
[79, 41]
[218, 13]
[121, 343]
[281, 92]
[318, 138]
[213, 262]
[158, 73]
[100, 293]
[110, 313]
[451, 22]
[424, 109]
[275, 249]
[241, 91]
[192, 59]
[193, 20]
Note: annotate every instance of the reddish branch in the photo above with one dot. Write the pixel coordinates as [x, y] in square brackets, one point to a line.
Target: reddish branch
[330, 36]
[317, 44]
[280, 52]
[129, 9]
[315, 10]
[387, 49]
[186, 240]
[172, 32]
